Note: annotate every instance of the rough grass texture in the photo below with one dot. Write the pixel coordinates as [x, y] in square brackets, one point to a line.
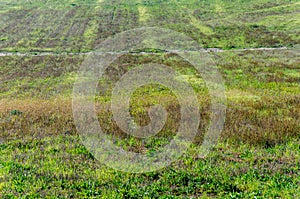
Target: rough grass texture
[258, 155]
[79, 26]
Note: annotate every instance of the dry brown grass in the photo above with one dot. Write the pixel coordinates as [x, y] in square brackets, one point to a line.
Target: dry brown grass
[248, 123]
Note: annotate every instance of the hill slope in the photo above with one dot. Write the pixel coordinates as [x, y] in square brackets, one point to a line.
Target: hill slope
[80, 25]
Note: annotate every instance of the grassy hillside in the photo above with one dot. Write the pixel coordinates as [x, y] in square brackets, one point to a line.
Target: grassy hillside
[81, 25]
[258, 154]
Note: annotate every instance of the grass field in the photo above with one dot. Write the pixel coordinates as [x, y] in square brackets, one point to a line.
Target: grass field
[258, 154]
[80, 25]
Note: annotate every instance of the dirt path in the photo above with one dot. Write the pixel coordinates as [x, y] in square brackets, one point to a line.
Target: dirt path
[4, 54]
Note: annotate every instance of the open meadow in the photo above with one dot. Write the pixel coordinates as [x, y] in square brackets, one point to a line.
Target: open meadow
[255, 46]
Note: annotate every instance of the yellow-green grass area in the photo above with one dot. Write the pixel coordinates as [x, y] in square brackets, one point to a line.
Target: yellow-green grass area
[60, 167]
[79, 26]
[258, 153]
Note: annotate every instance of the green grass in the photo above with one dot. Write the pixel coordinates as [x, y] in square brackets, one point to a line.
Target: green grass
[61, 167]
[258, 153]
[78, 26]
